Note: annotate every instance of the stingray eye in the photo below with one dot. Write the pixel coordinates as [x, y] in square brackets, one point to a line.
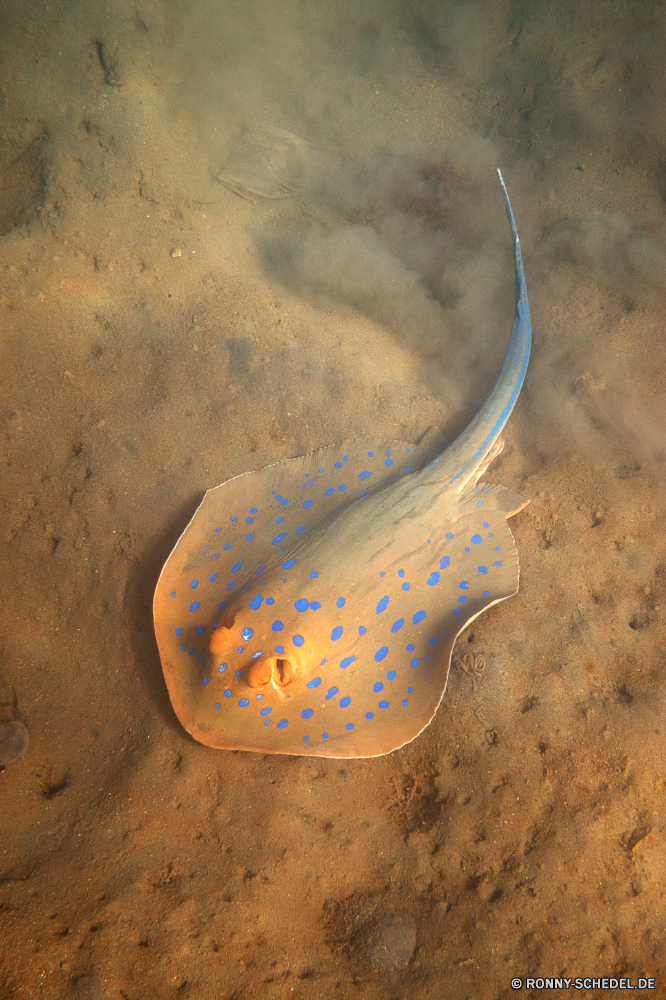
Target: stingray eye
[259, 673]
[219, 640]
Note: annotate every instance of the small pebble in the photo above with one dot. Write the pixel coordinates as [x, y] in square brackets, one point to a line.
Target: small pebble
[13, 741]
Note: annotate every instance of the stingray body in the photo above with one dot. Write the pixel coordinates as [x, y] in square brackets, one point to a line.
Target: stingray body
[312, 607]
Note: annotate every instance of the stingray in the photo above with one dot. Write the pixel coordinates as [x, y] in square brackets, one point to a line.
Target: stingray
[312, 607]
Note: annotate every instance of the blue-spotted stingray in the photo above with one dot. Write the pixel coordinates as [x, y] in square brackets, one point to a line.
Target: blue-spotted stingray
[312, 607]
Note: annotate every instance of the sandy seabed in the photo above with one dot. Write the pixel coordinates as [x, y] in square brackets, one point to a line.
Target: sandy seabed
[232, 235]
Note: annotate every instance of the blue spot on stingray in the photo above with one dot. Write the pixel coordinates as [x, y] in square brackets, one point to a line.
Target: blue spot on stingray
[255, 603]
[283, 501]
[389, 461]
[279, 538]
[336, 633]
[344, 702]
[480, 503]
[277, 626]
[486, 593]
[383, 573]
[383, 704]
[314, 683]
[298, 640]
[383, 604]
[221, 607]
[183, 648]
[391, 675]
[401, 572]
[476, 539]
[371, 454]
[216, 556]
[328, 492]
[396, 626]
[306, 739]
[194, 584]
[483, 569]
[342, 488]
[227, 546]
[227, 693]
[270, 600]
[347, 660]
[233, 519]
[307, 713]
[282, 724]
[195, 606]
[255, 656]
[381, 653]
[362, 630]
[331, 693]
[387, 453]
[230, 586]
[289, 563]
[315, 605]
[418, 617]
[340, 603]
[415, 662]
[298, 530]
[279, 649]
[405, 586]
[314, 574]
[306, 504]
[212, 577]
[464, 585]
[350, 725]
[301, 604]
[243, 703]
[431, 642]
[433, 579]
[457, 611]
[324, 736]
[409, 690]
[462, 600]
[411, 647]
[498, 563]
[247, 634]
[249, 520]
[217, 704]
[450, 535]
[279, 520]
[222, 667]
[266, 711]
[338, 465]
[205, 680]
[253, 510]
[378, 687]
[178, 631]
[249, 538]
[405, 703]
[364, 475]
[443, 563]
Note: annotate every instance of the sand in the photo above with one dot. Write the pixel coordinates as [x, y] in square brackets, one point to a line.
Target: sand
[232, 234]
